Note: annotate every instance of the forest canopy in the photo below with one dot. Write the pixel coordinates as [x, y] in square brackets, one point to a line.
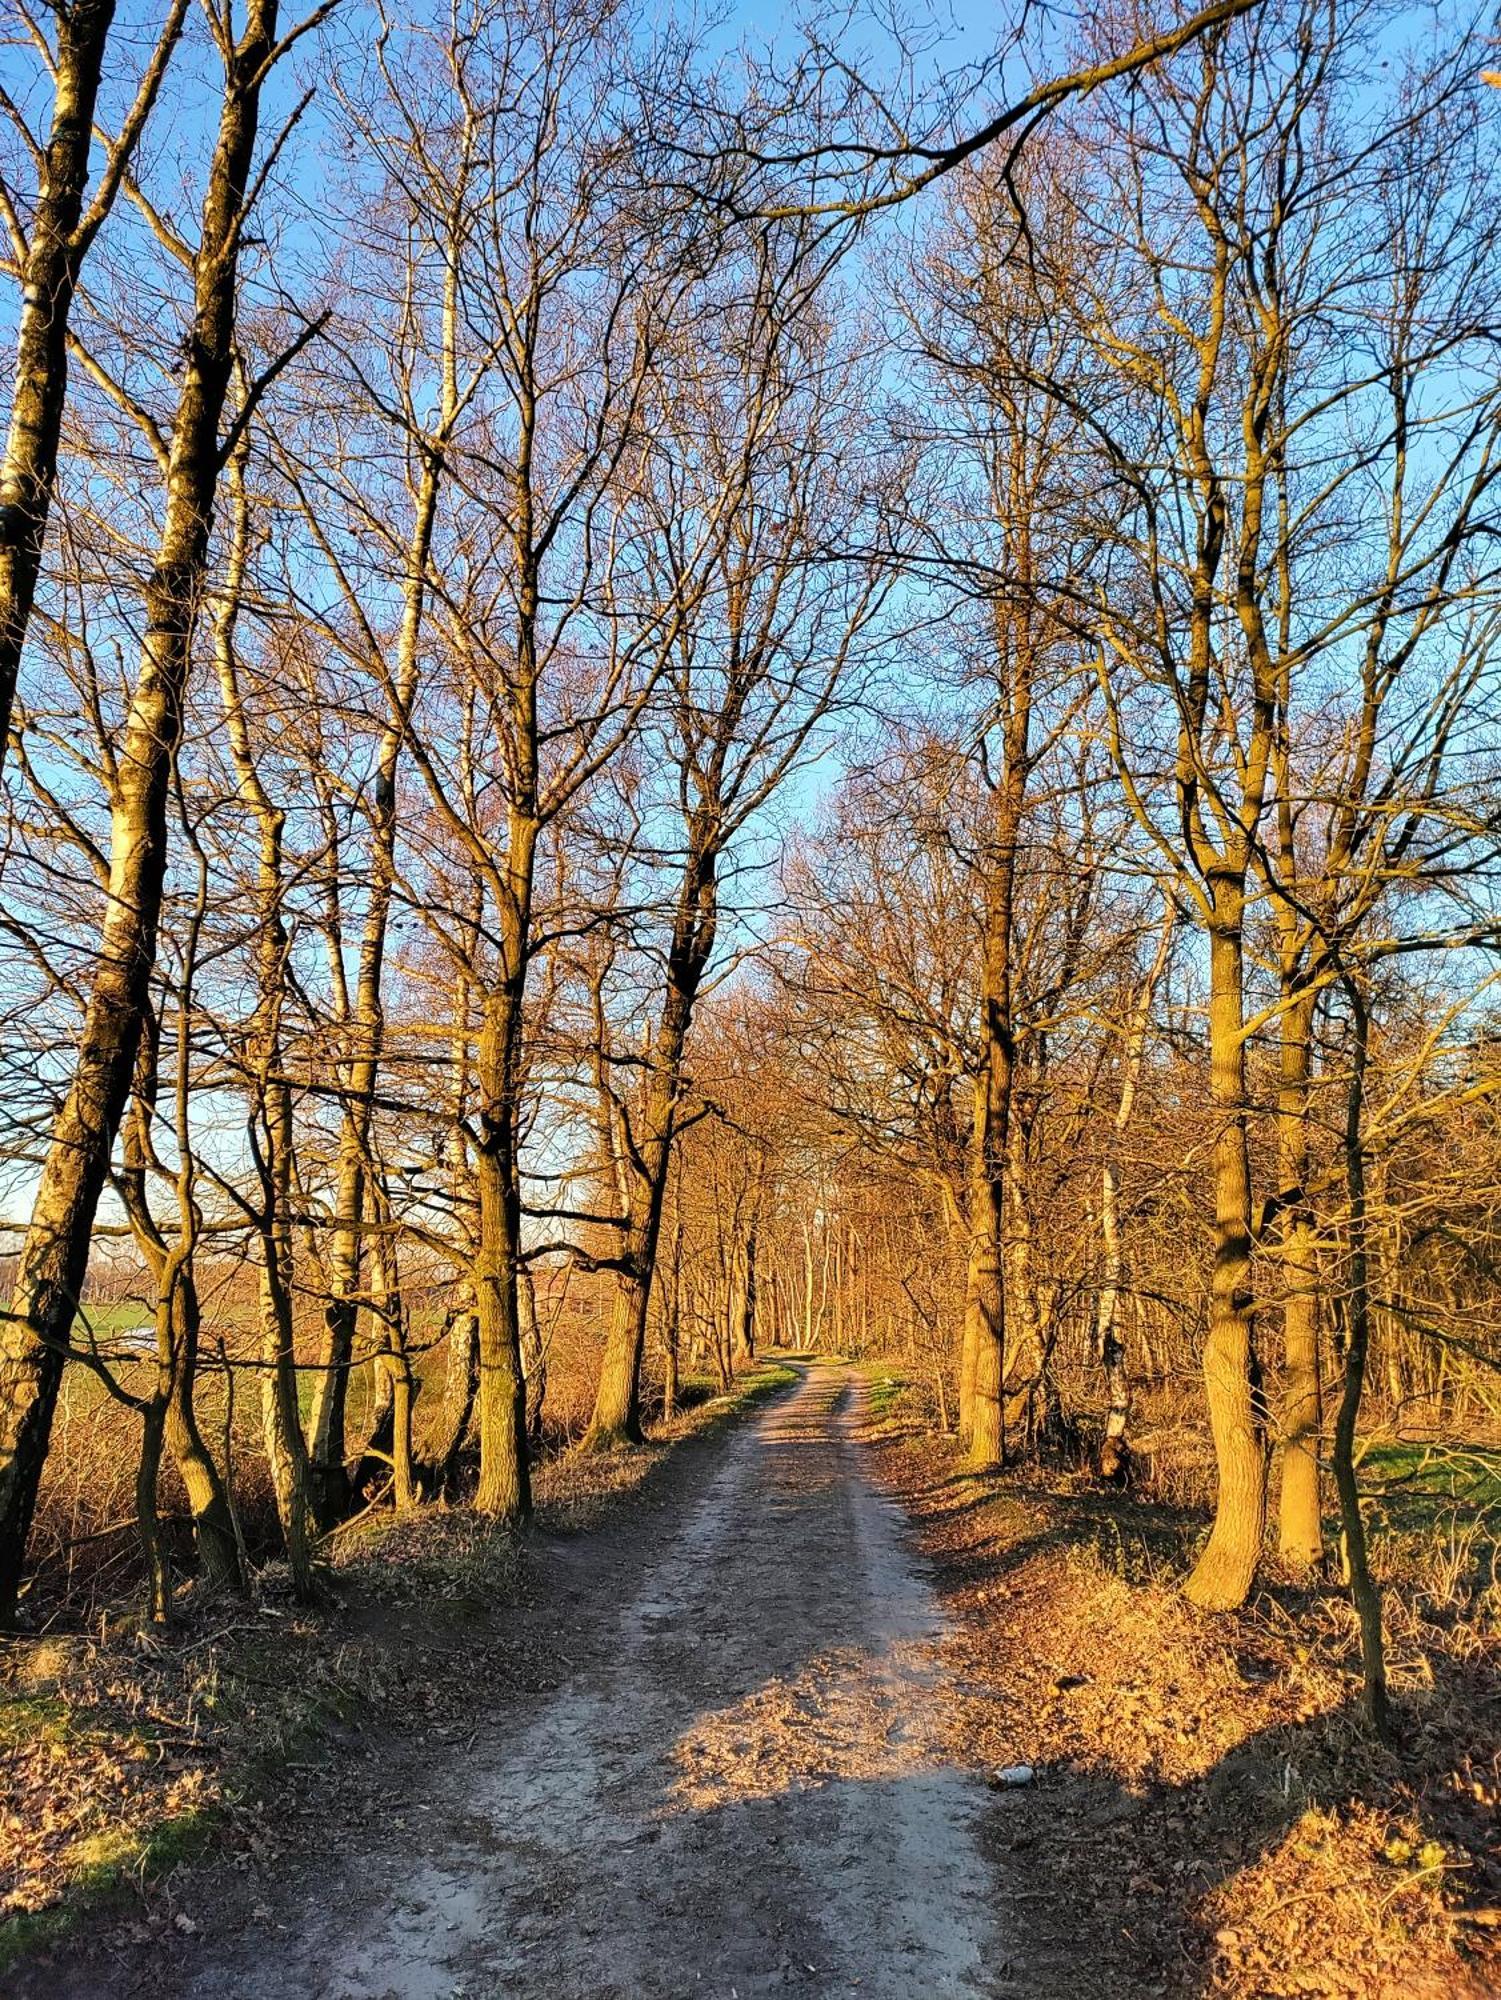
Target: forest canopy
[667, 695]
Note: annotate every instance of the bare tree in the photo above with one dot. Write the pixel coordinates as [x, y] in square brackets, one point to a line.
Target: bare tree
[760, 532]
[1214, 382]
[52, 1263]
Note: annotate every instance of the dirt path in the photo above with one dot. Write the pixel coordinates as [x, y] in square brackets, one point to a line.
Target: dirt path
[739, 1789]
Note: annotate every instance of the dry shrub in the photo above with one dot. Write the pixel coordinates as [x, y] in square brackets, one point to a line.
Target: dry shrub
[85, 1555]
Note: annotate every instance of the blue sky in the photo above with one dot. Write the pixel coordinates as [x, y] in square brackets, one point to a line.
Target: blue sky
[953, 40]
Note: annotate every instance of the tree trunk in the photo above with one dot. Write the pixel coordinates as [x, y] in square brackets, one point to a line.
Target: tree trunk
[1115, 1450]
[987, 1277]
[504, 1489]
[670, 1375]
[987, 1423]
[177, 1324]
[533, 1355]
[54, 1257]
[1222, 1577]
[1300, 1537]
[743, 1324]
[617, 1405]
[214, 1533]
[270, 1091]
[329, 1483]
[969, 1353]
[460, 1384]
[1025, 1361]
[395, 1361]
[969, 1340]
[281, 1418]
[672, 1316]
[992, 1126]
[326, 1414]
[281, 1414]
[148, 1519]
[59, 238]
[1363, 1587]
[403, 1396]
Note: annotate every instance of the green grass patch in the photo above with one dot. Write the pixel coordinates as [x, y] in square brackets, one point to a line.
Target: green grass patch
[1432, 1476]
[123, 1316]
[886, 1392]
[26, 1719]
[720, 1405]
[762, 1382]
[1435, 1511]
[696, 1391]
[103, 1873]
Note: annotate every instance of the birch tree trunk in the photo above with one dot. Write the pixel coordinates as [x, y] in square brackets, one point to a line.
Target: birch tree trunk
[1115, 1451]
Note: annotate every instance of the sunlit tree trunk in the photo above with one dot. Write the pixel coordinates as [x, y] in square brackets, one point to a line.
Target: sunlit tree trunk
[389, 1306]
[967, 1245]
[272, 1124]
[988, 1204]
[177, 1330]
[617, 1406]
[1300, 1535]
[57, 242]
[456, 1411]
[672, 1311]
[1110, 1345]
[54, 1257]
[986, 1329]
[1222, 1576]
[1026, 1358]
[504, 1489]
[274, 1139]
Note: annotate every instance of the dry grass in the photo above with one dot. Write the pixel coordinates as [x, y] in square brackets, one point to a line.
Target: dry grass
[122, 1751]
[84, 1555]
